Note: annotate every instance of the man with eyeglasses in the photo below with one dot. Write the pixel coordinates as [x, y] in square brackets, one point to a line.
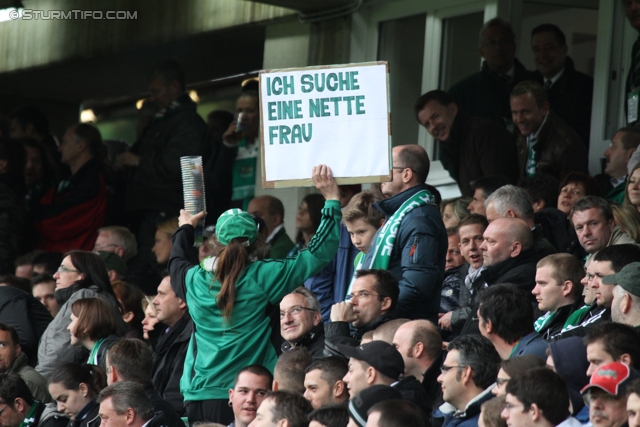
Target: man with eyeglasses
[301, 322]
[122, 242]
[412, 244]
[18, 408]
[606, 262]
[606, 394]
[372, 301]
[486, 93]
[538, 398]
[467, 376]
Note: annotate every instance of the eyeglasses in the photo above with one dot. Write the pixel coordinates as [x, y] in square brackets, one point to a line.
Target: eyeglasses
[363, 294]
[5, 407]
[589, 397]
[294, 311]
[103, 247]
[63, 269]
[501, 381]
[509, 406]
[444, 368]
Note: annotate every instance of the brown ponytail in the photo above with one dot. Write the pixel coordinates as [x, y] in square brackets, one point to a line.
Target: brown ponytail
[231, 262]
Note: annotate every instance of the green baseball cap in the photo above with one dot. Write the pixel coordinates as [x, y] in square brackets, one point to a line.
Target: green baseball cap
[628, 277]
[236, 223]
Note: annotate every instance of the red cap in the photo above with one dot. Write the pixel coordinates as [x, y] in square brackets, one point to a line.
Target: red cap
[613, 378]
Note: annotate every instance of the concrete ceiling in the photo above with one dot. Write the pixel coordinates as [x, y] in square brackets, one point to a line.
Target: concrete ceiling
[310, 7]
[203, 57]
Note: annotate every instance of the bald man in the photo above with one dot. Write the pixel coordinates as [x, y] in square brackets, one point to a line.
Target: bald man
[509, 257]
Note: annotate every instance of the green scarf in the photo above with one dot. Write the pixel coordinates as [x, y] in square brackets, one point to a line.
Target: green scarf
[572, 321]
[30, 419]
[543, 321]
[386, 238]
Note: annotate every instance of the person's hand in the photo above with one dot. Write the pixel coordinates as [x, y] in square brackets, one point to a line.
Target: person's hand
[444, 322]
[127, 159]
[186, 218]
[323, 179]
[230, 136]
[343, 312]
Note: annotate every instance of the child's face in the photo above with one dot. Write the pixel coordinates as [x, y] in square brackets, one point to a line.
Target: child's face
[361, 233]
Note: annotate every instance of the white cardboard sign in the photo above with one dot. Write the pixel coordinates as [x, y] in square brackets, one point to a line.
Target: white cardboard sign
[333, 115]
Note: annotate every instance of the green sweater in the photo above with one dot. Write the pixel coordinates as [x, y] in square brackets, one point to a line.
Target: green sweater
[222, 349]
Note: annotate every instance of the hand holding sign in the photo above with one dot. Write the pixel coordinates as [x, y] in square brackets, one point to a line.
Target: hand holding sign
[323, 179]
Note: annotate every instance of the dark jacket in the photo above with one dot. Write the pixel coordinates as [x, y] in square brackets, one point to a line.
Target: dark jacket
[335, 332]
[14, 233]
[559, 231]
[88, 416]
[431, 385]
[411, 390]
[418, 256]
[483, 94]
[570, 98]
[520, 271]
[143, 274]
[313, 341]
[27, 315]
[467, 298]
[157, 181]
[470, 416]
[162, 406]
[69, 216]
[280, 245]
[218, 172]
[595, 315]
[331, 284]
[558, 150]
[477, 148]
[168, 361]
[554, 327]
[159, 420]
[108, 342]
[570, 361]
[48, 416]
[450, 293]
[531, 344]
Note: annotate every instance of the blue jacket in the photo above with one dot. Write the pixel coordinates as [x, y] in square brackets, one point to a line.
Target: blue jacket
[418, 256]
[531, 344]
[330, 285]
[471, 413]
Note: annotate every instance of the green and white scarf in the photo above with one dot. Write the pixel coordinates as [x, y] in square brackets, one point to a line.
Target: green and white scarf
[30, 419]
[387, 236]
[543, 321]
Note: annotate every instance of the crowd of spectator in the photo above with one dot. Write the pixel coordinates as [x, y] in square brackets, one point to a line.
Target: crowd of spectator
[516, 304]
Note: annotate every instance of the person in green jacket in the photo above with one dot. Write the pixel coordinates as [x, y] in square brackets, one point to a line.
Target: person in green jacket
[231, 327]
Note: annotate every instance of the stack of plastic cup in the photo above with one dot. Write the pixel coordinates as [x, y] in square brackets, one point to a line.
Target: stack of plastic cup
[193, 190]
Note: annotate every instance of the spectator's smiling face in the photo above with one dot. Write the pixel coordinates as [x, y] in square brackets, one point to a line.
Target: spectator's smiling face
[548, 54]
[247, 395]
[438, 119]
[296, 317]
[471, 238]
[527, 115]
